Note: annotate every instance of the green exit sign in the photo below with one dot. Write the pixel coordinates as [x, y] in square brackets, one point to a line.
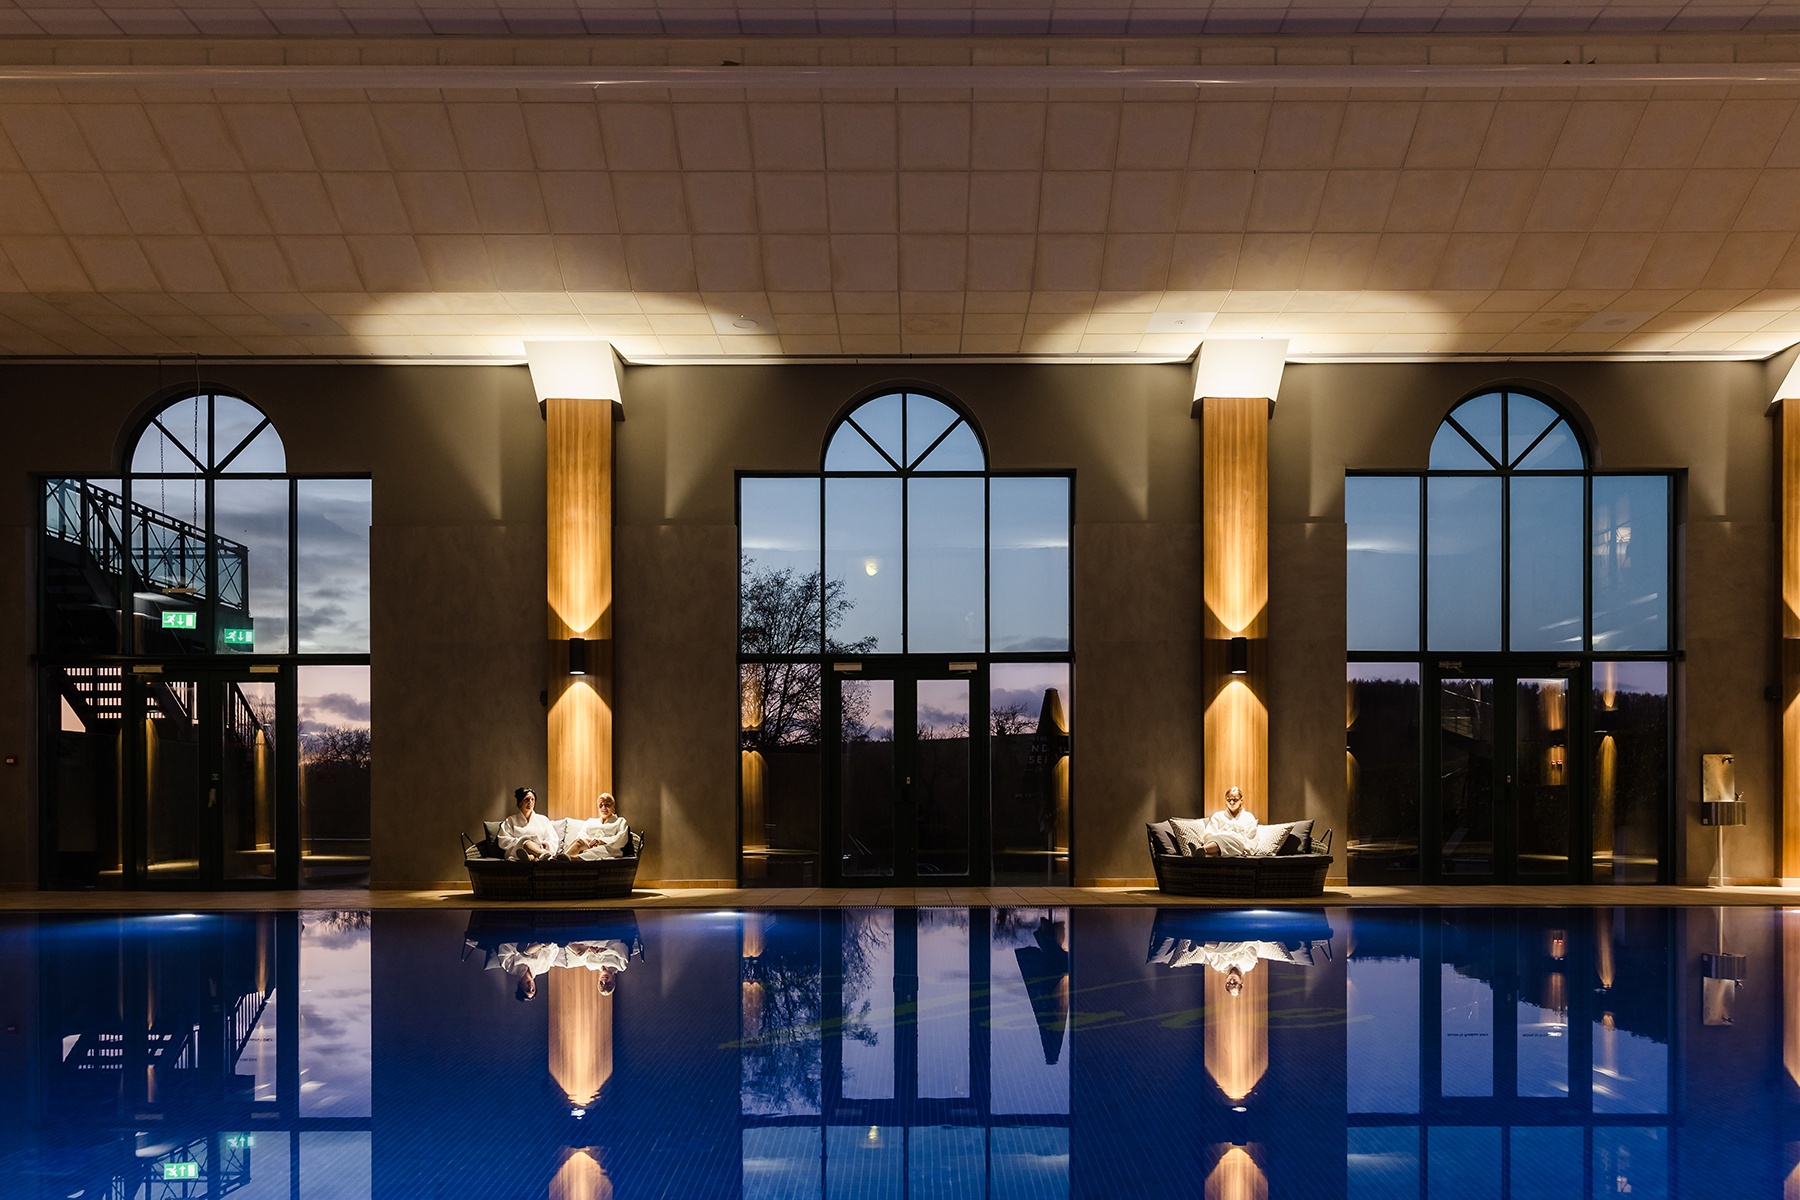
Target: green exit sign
[240, 1141]
[239, 637]
[180, 620]
[172, 1170]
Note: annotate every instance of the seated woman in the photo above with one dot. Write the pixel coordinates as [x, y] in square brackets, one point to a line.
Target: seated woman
[527, 834]
[1231, 833]
[525, 964]
[608, 957]
[606, 836]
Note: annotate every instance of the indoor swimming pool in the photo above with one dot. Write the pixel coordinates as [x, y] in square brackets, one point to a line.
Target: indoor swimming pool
[902, 1054]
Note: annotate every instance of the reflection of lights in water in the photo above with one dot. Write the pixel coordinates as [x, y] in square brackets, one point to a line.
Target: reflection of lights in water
[1237, 1177]
[581, 1037]
[581, 1178]
[1239, 1108]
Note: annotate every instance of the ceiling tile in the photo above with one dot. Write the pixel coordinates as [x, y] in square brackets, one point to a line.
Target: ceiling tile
[1745, 132]
[1155, 136]
[115, 264]
[1075, 201]
[660, 263]
[1081, 136]
[791, 202]
[592, 263]
[787, 137]
[797, 263]
[1374, 135]
[417, 137]
[1497, 201]
[343, 137]
[1639, 200]
[296, 203]
[934, 136]
[435, 202]
[82, 203]
[1001, 262]
[1679, 260]
[1670, 133]
[389, 263]
[186, 264]
[22, 209]
[195, 137]
[1611, 260]
[1339, 261]
[1228, 135]
[1448, 135]
[1003, 201]
[728, 262]
[862, 201]
[46, 137]
[564, 137]
[1285, 200]
[321, 263]
[1522, 134]
[1215, 201]
[1568, 200]
[268, 137]
[252, 264]
[120, 137]
[491, 137]
[1007, 137]
[581, 201]
[1596, 134]
[1709, 200]
[1301, 136]
[649, 202]
[933, 202]
[1427, 201]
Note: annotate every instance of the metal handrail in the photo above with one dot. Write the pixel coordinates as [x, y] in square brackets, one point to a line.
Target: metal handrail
[166, 553]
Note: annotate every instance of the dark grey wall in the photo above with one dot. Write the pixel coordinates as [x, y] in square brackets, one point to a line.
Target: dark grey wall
[458, 620]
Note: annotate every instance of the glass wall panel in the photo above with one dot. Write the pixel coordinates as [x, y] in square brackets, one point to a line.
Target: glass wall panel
[781, 1162]
[1381, 1163]
[946, 583]
[1542, 1016]
[1462, 1163]
[865, 1162]
[783, 1013]
[1465, 785]
[947, 1162]
[335, 764]
[333, 565]
[780, 762]
[1381, 772]
[1462, 542]
[1028, 1001]
[1028, 562]
[335, 1012]
[248, 777]
[1382, 596]
[1543, 789]
[176, 440]
[1545, 547]
[250, 525]
[1031, 714]
[944, 1004]
[1466, 1005]
[172, 750]
[336, 1165]
[168, 555]
[1381, 1030]
[778, 541]
[866, 776]
[868, 1021]
[81, 709]
[257, 1163]
[1630, 770]
[926, 421]
[1027, 1163]
[1632, 1162]
[864, 568]
[1631, 562]
[942, 792]
[83, 583]
[1545, 1163]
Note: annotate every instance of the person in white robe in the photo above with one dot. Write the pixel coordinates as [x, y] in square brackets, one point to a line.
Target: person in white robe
[525, 963]
[605, 836]
[1231, 833]
[608, 957]
[527, 834]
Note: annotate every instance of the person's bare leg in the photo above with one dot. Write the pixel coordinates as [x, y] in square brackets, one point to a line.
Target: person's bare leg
[1212, 849]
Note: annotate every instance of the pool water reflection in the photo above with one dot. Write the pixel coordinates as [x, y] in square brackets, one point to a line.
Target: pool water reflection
[869, 1053]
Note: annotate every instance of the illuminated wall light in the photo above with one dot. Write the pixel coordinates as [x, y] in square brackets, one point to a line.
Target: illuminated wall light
[1240, 656]
[578, 656]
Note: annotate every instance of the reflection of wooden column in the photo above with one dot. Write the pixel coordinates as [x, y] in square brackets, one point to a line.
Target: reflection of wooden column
[1789, 819]
[579, 519]
[1234, 450]
[581, 1034]
[1237, 1031]
[1237, 1177]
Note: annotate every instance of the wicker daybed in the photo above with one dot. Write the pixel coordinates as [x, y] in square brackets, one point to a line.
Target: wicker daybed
[496, 878]
[1268, 876]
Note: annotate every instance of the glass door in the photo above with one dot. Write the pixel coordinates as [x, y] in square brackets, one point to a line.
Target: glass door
[207, 777]
[1506, 806]
[905, 775]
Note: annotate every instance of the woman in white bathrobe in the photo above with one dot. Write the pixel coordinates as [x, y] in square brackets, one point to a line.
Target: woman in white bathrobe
[606, 836]
[527, 834]
[1231, 833]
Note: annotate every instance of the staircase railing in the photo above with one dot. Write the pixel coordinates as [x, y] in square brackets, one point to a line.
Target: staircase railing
[165, 553]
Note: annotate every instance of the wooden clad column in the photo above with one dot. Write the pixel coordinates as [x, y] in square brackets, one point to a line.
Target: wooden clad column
[579, 531]
[1790, 641]
[1234, 456]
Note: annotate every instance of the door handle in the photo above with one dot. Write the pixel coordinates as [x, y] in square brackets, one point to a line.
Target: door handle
[212, 797]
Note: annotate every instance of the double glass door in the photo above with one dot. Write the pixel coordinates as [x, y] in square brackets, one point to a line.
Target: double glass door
[204, 796]
[1507, 797]
[905, 773]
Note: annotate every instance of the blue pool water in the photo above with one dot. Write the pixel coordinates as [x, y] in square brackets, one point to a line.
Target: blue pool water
[903, 1054]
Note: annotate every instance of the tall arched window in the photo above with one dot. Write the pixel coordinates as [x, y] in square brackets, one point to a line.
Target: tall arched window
[1514, 603]
[904, 594]
[204, 639]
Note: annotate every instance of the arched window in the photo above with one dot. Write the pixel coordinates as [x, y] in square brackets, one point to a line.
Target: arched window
[893, 606]
[204, 640]
[1508, 630]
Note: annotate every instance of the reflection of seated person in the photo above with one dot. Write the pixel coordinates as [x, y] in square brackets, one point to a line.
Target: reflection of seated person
[607, 957]
[606, 836]
[524, 964]
[1231, 833]
[1235, 959]
[527, 834]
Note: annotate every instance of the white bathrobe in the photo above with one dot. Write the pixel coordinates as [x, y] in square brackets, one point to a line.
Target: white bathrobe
[614, 837]
[516, 830]
[515, 960]
[596, 956]
[1235, 836]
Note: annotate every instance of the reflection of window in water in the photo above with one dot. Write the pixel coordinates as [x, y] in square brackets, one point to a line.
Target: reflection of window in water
[1029, 1010]
[782, 999]
[943, 1010]
[868, 1020]
[334, 1014]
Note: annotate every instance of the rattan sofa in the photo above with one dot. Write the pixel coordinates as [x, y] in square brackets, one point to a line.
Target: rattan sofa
[496, 878]
[1270, 876]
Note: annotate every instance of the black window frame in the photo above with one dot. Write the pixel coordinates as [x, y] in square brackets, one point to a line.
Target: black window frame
[1509, 663]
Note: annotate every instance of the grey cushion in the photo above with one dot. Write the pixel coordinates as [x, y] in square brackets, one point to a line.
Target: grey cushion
[1164, 835]
[1187, 833]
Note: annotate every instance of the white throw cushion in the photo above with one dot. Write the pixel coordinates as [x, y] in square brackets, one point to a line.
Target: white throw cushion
[1187, 832]
[562, 832]
[1268, 838]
